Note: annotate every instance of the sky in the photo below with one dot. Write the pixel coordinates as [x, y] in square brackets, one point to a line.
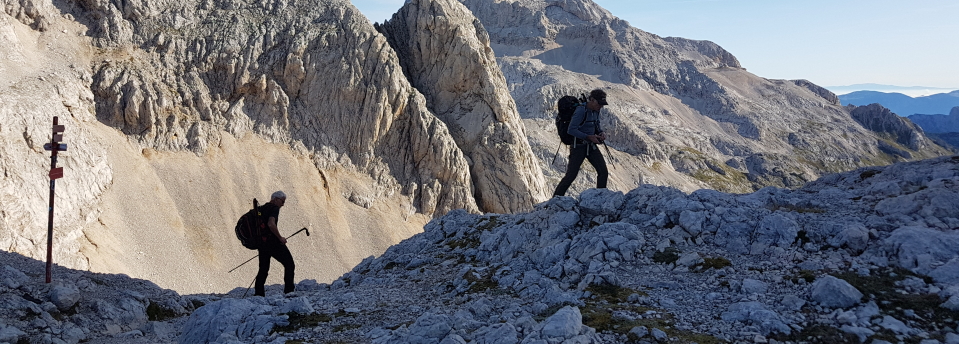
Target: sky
[828, 42]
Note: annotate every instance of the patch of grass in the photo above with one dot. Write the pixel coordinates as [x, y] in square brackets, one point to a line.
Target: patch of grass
[343, 313]
[817, 333]
[465, 242]
[600, 317]
[656, 167]
[807, 275]
[732, 181]
[882, 285]
[491, 222]
[546, 313]
[346, 327]
[796, 209]
[712, 263]
[155, 312]
[667, 256]
[612, 293]
[598, 313]
[481, 282]
[298, 321]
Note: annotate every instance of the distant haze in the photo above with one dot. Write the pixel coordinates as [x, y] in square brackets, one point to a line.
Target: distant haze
[850, 42]
[912, 91]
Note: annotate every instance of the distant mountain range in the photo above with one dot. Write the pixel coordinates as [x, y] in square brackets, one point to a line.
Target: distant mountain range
[912, 91]
[943, 129]
[903, 105]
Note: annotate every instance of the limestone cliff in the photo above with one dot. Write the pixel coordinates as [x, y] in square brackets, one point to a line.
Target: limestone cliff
[445, 52]
[877, 118]
[178, 113]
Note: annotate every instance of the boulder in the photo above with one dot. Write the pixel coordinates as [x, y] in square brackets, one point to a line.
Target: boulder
[565, 323]
[832, 292]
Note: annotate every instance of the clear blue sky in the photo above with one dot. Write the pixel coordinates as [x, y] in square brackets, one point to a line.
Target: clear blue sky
[829, 42]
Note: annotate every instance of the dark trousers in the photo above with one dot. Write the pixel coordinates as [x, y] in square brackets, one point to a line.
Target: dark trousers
[577, 153]
[282, 254]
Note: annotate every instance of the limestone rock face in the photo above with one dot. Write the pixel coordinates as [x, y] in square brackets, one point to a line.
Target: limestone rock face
[446, 54]
[41, 76]
[314, 75]
[682, 113]
[178, 114]
[881, 120]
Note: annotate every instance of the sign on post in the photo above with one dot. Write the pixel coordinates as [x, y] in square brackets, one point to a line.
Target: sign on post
[55, 173]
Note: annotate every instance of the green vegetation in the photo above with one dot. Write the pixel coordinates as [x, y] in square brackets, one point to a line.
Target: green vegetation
[346, 327]
[712, 263]
[612, 293]
[732, 181]
[818, 333]
[491, 222]
[807, 275]
[667, 256]
[881, 286]
[795, 209]
[481, 282]
[472, 239]
[608, 298]
[465, 242]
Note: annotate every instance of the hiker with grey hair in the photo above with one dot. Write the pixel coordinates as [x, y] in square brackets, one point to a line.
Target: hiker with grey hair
[274, 247]
[584, 126]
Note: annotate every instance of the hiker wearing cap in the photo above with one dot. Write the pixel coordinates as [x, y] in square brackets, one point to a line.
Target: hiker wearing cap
[584, 126]
[274, 247]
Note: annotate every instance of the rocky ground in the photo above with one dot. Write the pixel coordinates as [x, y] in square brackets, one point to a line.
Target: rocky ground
[866, 256]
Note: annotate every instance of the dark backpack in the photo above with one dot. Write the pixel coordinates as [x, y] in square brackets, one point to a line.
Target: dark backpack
[251, 228]
[567, 107]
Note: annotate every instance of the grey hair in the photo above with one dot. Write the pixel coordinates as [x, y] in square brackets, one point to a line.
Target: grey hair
[278, 194]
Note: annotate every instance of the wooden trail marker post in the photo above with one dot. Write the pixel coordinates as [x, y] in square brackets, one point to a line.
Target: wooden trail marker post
[55, 173]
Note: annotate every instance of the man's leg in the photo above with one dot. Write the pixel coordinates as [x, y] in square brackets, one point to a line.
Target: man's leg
[576, 156]
[596, 159]
[284, 257]
[258, 288]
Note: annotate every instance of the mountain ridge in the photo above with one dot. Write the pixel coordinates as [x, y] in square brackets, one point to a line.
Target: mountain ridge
[904, 105]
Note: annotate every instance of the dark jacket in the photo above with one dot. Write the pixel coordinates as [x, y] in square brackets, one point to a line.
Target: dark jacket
[585, 122]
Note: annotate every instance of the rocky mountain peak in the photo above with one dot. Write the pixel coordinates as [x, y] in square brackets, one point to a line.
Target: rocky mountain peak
[682, 112]
[877, 118]
[445, 52]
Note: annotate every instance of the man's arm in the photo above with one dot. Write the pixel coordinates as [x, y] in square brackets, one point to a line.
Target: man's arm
[272, 224]
[574, 123]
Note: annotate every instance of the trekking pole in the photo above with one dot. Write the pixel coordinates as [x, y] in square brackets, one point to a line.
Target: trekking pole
[556, 154]
[254, 257]
[608, 153]
[248, 288]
